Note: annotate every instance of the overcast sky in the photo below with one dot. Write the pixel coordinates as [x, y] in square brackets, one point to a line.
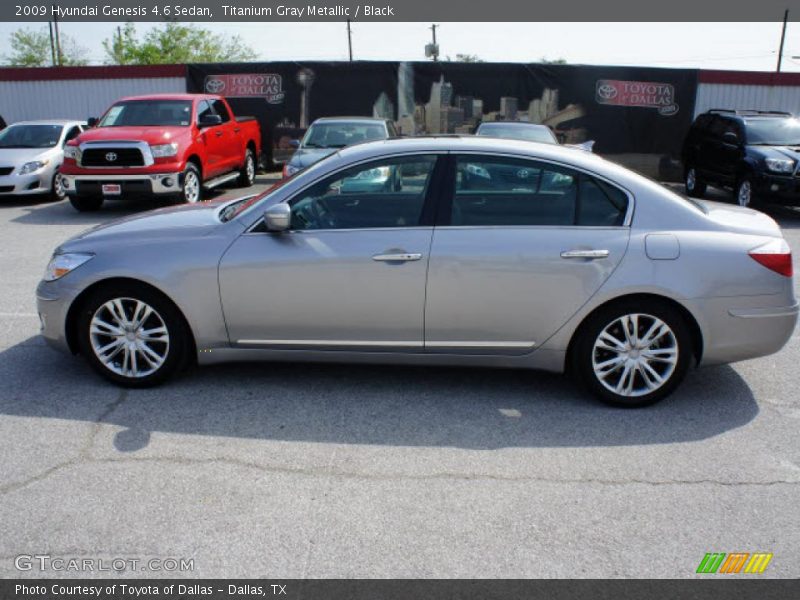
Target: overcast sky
[746, 46]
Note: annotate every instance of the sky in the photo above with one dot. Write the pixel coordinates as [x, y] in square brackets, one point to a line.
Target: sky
[738, 46]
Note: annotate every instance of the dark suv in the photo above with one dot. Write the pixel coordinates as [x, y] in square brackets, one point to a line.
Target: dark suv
[754, 153]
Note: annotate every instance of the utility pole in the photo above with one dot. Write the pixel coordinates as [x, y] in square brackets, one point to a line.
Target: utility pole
[783, 38]
[349, 40]
[436, 52]
[59, 56]
[52, 42]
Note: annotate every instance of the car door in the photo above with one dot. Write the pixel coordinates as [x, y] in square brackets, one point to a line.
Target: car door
[520, 246]
[232, 150]
[213, 141]
[349, 274]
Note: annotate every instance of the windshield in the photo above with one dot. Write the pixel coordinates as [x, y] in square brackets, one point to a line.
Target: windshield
[170, 113]
[519, 132]
[30, 136]
[339, 135]
[774, 132]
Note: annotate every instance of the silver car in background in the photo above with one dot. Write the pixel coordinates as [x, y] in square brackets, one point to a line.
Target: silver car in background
[31, 153]
[485, 252]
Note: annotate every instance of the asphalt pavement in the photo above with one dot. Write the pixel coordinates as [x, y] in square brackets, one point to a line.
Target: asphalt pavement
[282, 470]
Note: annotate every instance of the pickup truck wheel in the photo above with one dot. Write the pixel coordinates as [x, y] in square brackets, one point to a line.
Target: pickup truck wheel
[247, 176]
[86, 204]
[744, 191]
[191, 187]
[695, 186]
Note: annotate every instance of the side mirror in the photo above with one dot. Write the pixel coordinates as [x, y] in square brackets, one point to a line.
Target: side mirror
[278, 217]
[209, 120]
[91, 122]
[730, 138]
[294, 143]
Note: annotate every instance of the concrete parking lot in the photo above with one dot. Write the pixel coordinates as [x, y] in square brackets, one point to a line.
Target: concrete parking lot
[282, 470]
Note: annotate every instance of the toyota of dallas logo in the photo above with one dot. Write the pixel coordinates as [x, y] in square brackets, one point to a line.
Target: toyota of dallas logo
[644, 94]
[247, 85]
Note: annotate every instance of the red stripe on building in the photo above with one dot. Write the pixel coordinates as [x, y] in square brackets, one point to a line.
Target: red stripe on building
[749, 78]
[104, 72]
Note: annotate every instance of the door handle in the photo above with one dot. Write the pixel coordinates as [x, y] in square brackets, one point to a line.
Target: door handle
[237, 130]
[591, 254]
[218, 133]
[399, 257]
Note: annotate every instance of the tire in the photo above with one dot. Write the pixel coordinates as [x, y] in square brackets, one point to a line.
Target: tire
[743, 192]
[191, 185]
[247, 174]
[695, 187]
[627, 382]
[57, 191]
[135, 361]
[86, 203]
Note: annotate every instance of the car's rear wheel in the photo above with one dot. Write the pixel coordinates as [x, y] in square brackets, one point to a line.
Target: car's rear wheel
[191, 185]
[247, 175]
[132, 336]
[744, 191]
[86, 203]
[633, 354]
[695, 186]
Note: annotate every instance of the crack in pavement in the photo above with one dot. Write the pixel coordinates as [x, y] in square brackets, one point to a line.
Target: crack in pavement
[81, 456]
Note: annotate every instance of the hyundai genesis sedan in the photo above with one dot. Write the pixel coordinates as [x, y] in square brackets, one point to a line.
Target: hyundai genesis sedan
[482, 252]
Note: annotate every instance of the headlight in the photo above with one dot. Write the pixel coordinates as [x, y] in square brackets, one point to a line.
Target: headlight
[73, 152]
[33, 166]
[780, 165]
[289, 170]
[164, 150]
[61, 264]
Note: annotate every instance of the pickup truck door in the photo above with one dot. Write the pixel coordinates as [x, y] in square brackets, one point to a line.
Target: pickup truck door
[214, 142]
[232, 148]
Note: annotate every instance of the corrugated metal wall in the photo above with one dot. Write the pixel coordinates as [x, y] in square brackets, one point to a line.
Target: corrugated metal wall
[75, 98]
[739, 96]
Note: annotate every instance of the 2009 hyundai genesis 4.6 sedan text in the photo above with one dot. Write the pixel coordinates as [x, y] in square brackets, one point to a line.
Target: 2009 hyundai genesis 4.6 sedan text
[439, 251]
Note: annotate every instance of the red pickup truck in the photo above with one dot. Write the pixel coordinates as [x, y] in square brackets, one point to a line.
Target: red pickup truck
[173, 145]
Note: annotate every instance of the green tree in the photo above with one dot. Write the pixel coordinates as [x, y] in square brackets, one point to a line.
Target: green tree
[554, 61]
[467, 58]
[174, 43]
[31, 48]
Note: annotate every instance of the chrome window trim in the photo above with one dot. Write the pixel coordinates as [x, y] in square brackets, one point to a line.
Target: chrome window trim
[143, 147]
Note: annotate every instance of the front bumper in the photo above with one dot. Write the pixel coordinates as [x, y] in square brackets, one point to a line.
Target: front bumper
[152, 184]
[39, 182]
[782, 188]
[53, 300]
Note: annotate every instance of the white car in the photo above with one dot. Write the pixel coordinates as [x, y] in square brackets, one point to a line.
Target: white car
[31, 153]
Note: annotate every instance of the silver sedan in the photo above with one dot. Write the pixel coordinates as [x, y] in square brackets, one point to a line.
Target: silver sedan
[476, 252]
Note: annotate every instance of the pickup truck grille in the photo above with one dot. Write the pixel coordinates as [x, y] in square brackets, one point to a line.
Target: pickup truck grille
[112, 157]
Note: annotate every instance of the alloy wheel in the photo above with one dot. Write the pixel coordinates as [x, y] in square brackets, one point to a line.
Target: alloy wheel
[635, 355]
[251, 169]
[191, 187]
[129, 337]
[744, 193]
[691, 180]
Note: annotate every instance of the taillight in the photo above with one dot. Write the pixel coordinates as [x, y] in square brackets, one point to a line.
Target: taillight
[775, 255]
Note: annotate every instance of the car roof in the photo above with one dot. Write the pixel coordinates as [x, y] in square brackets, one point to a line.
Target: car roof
[169, 97]
[49, 122]
[350, 120]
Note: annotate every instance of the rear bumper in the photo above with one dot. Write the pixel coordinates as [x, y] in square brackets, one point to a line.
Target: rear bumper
[154, 184]
[744, 327]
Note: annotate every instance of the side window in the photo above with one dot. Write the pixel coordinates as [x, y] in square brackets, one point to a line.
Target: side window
[72, 134]
[222, 110]
[203, 109]
[386, 193]
[508, 191]
[600, 204]
[719, 126]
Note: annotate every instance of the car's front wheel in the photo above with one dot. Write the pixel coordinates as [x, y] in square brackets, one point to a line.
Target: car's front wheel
[744, 191]
[57, 190]
[133, 336]
[191, 185]
[633, 354]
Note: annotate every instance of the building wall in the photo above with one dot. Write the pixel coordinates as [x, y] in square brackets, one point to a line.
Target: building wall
[743, 90]
[80, 92]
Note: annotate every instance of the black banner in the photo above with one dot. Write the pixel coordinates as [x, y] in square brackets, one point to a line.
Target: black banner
[636, 115]
[399, 589]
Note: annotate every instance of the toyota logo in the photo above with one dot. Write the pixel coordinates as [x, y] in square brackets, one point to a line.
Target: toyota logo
[606, 91]
[111, 156]
[215, 86]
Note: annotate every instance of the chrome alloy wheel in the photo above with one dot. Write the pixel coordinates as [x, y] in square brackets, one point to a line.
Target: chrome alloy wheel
[129, 337]
[691, 180]
[250, 168]
[744, 193]
[191, 187]
[636, 354]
